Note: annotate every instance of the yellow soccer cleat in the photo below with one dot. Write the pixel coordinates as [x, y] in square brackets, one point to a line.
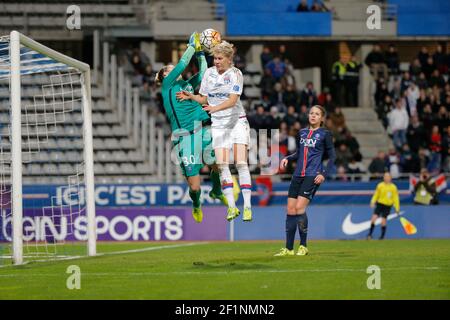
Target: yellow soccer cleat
[221, 197]
[197, 213]
[284, 252]
[236, 189]
[302, 251]
[232, 213]
[247, 214]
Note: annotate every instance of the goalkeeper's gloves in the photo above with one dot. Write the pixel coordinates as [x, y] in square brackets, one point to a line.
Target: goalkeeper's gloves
[194, 41]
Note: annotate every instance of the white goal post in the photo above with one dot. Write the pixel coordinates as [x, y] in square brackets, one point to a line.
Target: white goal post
[17, 41]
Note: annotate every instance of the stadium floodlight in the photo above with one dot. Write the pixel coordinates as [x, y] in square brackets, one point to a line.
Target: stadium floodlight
[45, 113]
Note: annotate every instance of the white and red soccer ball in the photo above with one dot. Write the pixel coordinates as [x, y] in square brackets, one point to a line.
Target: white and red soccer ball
[209, 38]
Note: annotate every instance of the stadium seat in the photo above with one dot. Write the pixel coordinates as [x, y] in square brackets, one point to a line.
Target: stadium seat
[127, 143]
[57, 156]
[252, 92]
[112, 168]
[110, 118]
[102, 156]
[143, 168]
[119, 156]
[103, 131]
[66, 169]
[248, 80]
[49, 169]
[99, 168]
[252, 68]
[128, 168]
[256, 79]
[111, 143]
[135, 156]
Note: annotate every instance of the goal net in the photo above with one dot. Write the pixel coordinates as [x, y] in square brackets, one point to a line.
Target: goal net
[46, 154]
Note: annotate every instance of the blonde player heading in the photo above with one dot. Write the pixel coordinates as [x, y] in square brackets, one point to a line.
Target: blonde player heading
[219, 94]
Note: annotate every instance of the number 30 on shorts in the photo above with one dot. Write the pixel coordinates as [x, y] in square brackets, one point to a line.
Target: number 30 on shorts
[188, 160]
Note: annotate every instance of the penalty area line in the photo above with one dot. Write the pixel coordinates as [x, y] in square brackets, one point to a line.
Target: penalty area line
[50, 259]
[151, 248]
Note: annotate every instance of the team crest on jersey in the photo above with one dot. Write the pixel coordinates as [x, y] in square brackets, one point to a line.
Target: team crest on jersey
[317, 136]
[226, 79]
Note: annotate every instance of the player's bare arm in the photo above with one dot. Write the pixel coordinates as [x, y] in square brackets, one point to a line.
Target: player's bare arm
[230, 103]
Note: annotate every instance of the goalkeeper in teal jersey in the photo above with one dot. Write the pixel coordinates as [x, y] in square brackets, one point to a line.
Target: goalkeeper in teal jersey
[191, 134]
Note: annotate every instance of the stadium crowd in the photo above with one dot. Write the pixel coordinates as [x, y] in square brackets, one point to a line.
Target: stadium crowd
[414, 107]
[284, 106]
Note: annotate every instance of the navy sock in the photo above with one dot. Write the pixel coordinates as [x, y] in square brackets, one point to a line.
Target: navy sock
[291, 228]
[372, 226]
[383, 232]
[303, 228]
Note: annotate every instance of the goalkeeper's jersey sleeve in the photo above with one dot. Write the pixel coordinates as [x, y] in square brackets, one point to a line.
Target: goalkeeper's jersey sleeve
[186, 114]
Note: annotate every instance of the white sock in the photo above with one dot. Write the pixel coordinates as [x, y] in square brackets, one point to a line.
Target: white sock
[245, 182]
[227, 184]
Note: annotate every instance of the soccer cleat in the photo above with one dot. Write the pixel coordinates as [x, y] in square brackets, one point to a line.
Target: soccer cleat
[236, 189]
[302, 251]
[247, 214]
[232, 213]
[221, 197]
[197, 213]
[284, 252]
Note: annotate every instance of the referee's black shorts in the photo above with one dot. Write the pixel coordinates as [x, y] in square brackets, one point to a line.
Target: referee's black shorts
[382, 210]
[303, 187]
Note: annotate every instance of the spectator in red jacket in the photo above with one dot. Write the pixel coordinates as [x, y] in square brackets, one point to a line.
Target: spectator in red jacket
[435, 140]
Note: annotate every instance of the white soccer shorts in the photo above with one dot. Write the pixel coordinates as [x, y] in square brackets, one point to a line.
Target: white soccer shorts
[225, 138]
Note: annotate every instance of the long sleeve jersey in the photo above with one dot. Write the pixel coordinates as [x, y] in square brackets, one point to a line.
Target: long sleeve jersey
[183, 114]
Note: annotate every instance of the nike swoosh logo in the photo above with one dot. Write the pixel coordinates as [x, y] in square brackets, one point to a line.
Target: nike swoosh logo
[350, 228]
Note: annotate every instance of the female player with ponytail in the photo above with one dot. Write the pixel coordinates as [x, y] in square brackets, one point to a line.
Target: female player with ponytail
[313, 144]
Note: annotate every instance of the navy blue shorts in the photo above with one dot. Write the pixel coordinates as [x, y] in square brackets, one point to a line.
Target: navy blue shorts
[303, 187]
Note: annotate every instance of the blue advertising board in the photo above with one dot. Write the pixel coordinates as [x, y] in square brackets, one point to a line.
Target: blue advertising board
[146, 195]
[346, 222]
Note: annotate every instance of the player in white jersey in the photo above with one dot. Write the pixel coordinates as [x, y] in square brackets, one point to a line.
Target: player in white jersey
[219, 94]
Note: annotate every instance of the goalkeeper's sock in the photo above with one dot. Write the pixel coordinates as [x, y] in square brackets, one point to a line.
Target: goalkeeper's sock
[372, 226]
[383, 232]
[303, 228]
[195, 196]
[215, 179]
[291, 228]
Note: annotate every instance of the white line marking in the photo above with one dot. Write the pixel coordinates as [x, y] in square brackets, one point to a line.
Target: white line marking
[205, 272]
[52, 258]
[153, 248]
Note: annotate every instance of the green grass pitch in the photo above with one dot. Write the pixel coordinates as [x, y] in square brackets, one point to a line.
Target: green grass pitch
[410, 269]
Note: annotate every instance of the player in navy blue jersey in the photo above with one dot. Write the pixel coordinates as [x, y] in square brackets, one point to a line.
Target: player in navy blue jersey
[314, 144]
